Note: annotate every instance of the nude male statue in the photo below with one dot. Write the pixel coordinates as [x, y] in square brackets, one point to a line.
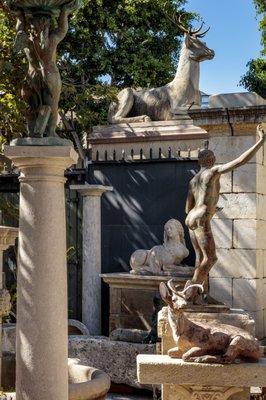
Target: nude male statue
[39, 34]
[203, 196]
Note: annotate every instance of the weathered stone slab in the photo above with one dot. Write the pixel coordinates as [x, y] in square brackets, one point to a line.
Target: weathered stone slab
[180, 128]
[237, 205]
[165, 370]
[245, 178]
[117, 359]
[128, 335]
[223, 233]
[229, 100]
[222, 289]
[248, 294]
[238, 263]
[227, 148]
[249, 234]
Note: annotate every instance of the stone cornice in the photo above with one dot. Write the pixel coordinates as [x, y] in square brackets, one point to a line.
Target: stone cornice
[8, 236]
[91, 190]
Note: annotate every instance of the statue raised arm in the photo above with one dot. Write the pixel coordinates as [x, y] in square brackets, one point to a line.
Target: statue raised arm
[203, 196]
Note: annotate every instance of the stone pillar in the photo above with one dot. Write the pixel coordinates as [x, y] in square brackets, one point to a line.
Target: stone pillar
[91, 281]
[41, 347]
[7, 238]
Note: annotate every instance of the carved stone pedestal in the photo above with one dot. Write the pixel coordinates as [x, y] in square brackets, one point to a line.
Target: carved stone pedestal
[186, 381]
[174, 392]
[131, 298]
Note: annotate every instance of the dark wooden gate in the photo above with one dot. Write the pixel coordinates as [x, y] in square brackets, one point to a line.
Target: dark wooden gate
[146, 195]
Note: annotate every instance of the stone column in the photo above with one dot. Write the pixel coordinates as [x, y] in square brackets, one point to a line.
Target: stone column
[41, 347]
[7, 238]
[91, 281]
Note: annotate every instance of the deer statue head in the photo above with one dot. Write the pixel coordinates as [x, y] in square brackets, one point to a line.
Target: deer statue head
[174, 298]
[197, 49]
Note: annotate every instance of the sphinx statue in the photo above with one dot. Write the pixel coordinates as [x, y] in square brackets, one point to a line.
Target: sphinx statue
[165, 259]
[176, 97]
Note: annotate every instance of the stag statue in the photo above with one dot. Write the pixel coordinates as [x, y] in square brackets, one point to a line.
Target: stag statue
[205, 342]
[163, 103]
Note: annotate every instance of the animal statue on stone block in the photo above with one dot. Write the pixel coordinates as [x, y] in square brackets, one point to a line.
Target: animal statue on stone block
[163, 103]
[164, 259]
[205, 342]
[201, 205]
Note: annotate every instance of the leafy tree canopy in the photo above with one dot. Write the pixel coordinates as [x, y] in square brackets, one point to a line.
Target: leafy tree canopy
[255, 78]
[110, 45]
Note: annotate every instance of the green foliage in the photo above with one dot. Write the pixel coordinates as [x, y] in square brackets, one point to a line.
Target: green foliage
[115, 44]
[255, 78]
[110, 45]
[11, 75]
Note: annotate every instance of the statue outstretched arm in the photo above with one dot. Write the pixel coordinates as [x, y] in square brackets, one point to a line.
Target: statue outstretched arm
[245, 157]
[62, 29]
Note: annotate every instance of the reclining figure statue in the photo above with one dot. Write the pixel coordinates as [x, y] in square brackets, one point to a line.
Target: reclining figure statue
[164, 259]
[205, 342]
[162, 103]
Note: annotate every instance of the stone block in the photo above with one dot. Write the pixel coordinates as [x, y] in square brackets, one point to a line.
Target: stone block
[258, 316]
[237, 205]
[245, 179]
[221, 289]
[226, 183]
[248, 294]
[261, 178]
[227, 148]
[117, 359]
[158, 369]
[249, 234]
[261, 207]
[238, 263]
[223, 233]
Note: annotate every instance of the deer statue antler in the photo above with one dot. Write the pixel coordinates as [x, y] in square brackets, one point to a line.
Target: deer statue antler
[176, 19]
[172, 287]
[191, 286]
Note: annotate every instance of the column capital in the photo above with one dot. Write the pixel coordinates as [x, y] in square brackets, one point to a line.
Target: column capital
[91, 190]
[39, 163]
[8, 237]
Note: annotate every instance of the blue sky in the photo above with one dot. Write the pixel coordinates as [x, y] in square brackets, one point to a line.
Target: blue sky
[235, 38]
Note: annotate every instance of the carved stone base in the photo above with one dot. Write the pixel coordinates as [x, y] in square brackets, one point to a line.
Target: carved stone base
[174, 392]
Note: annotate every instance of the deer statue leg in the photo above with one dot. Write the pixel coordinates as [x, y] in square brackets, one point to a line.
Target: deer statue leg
[193, 353]
[241, 347]
[175, 352]
[198, 355]
[118, 112]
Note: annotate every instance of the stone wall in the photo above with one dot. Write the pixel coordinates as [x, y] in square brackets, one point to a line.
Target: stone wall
[239, 226]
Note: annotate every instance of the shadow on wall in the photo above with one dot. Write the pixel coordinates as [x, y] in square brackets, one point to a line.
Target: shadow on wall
[146, 195]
